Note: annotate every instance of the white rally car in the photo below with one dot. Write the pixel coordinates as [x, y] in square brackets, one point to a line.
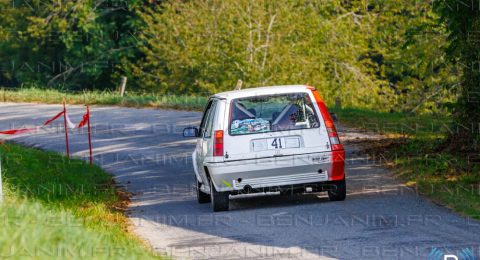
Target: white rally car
[267, 139]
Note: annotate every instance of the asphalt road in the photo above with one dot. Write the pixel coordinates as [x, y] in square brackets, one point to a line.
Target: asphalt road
[144, 149]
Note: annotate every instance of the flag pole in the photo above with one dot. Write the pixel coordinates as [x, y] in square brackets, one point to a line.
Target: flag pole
[89, 136]
[1, 188]
[66, 129]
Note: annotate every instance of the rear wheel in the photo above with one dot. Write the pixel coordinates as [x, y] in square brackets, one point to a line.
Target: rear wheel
[219, 200]
[338, 192]
[202, 197]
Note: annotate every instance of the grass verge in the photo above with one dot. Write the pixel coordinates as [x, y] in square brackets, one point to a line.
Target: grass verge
[61, 209]
[49, 96]
[413, 148]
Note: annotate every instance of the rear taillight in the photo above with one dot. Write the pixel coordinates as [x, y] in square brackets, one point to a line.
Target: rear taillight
[331, 130]
[218, 143]
[337, 172]
[334, 140]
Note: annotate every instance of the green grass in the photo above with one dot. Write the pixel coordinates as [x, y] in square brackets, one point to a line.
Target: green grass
[412, 146]
[49, 96]
[394, 123]
[55, 208]
[451, 180]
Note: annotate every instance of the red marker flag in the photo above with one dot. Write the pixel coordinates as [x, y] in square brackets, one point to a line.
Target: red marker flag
[84, 120]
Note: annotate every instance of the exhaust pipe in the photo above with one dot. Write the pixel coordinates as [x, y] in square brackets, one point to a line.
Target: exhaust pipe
[247, 189]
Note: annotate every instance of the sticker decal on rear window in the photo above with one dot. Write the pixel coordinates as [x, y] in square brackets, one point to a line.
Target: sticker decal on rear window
[257, 125]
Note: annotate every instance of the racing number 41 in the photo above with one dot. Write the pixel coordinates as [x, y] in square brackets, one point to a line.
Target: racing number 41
[277, 143]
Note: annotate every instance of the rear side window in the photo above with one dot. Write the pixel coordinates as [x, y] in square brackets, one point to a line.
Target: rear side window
[207, 120]
[262, 114]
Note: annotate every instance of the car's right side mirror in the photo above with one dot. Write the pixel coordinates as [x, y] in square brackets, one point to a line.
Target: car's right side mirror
[190, 132]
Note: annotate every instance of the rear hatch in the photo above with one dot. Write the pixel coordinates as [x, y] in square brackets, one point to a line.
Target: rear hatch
[275, 126]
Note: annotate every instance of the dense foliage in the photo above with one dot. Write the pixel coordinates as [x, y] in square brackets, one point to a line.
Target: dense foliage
[71, 44]
[368, 53]
[385, 54]
[463, 23]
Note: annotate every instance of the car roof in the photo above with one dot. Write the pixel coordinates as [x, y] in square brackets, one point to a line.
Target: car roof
[248, 92]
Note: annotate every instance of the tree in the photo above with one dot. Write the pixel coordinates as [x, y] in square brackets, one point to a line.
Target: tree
[386, 55]
[69, 44]
[371, 55]
[462, 19]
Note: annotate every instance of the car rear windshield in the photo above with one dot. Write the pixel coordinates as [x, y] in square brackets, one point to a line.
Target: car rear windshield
[262, 114]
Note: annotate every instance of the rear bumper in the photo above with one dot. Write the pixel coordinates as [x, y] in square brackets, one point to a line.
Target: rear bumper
[276, 172]
[293, 188]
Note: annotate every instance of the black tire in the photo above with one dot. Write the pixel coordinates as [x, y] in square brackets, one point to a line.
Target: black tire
[202, 197]
[219, 200]
[338, 192]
